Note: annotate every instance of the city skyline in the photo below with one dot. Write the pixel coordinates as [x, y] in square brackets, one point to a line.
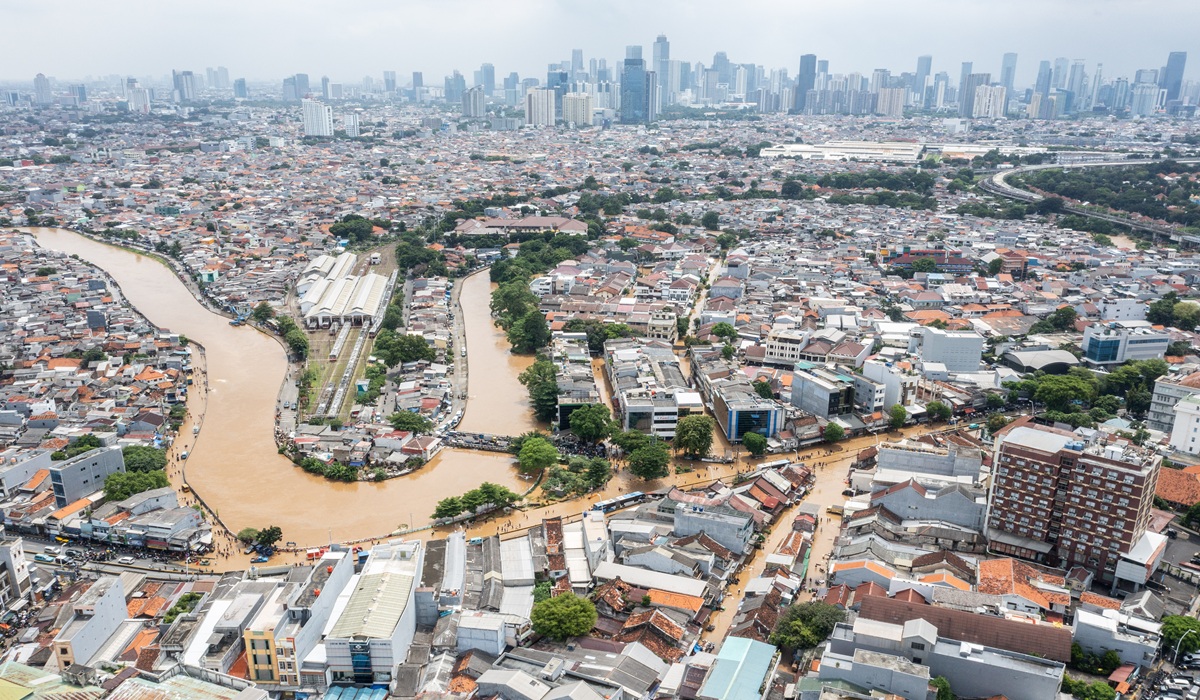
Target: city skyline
[854, 37]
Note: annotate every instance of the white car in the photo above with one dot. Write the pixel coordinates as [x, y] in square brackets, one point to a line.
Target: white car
[125, 560]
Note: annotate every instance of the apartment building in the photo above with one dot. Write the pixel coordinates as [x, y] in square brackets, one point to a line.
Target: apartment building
[1185, 431]
[959, 351]
[650, 393]
[1058, 500]
[822, 391]
[1168, 391]
[95, 616]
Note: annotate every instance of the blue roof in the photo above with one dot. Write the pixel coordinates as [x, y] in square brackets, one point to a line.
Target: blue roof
[739, 671]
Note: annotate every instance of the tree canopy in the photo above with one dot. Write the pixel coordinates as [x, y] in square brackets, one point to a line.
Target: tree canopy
[542, 385]
[650, 461]
[805, 625]
[121, 485]
[833, 432]
[592, 422]
[411, 422]
[755, 444]
[536, 454]
[143, 458]
[397, 348]
[938, 410]
[897, 415]
[563, 616]
[694, 435]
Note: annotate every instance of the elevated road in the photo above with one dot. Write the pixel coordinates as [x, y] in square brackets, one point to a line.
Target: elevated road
[997, 184]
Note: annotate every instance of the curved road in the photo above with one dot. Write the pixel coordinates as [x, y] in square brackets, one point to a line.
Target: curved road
[997, 184]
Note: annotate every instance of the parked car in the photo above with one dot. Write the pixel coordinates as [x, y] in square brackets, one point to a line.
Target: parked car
[44, 558]
[126, 560]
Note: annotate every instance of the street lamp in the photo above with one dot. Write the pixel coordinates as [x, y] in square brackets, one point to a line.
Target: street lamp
[1175, 659]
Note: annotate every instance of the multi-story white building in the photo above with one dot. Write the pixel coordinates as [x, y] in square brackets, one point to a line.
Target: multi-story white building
[539, 107]
[1122, 309]
[900, 386]
[317, 117]
[1167, 392]
[1121, 341]
[1185, 433]
[959, 351]
[577, 109]
[990, 102]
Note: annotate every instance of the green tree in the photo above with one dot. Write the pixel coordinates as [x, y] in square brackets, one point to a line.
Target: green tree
[650, 461]
[938, 410]
[393, 318]
[898, 414]
[1174, 627]
[726, 240]
[563, 616]
[247, 535]
[1192, 515]
[724, 330]
[268, 536]
[755, 444]
[996, 422]
[943, 688]
[542, 385]
[536, 454]
[790, 189]
[994, 268]
[805, 625]
[263, 312]
[1186, 315]
[1179, 348]
[599, 471]
[1162, 312]
[924, 265]
[1060, 390]
[711, 221]
[143, 458]
[529, 334]
[121, 485]
[763, 388]
[592, 422]
[694, 435]
[397, 348]
[410, 422]
[833, 432]
[630, 440]
[512, 301]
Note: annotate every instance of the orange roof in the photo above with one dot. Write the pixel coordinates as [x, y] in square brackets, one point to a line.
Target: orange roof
[676, 600]
[1099, 601]
[71, 509]
[39, 477]
[953, 581]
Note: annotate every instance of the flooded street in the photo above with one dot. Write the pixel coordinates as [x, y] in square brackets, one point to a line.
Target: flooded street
[497, 403]
[234, 465]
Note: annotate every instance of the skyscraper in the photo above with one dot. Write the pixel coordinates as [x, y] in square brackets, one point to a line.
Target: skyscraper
[302, 89]
[455, 86]
[325, 87]
[239, 89]
[317, 118]
[1045, 79]
[634, 93]
[79, 92]
[576, 63]
[474, 103]
[662, 57]
[1008, 71]
[487, 75]
[41, 90]
[967, 68]
[1172, 75]
[557, 80]
[185, 85]
[924, 65]
[1075, 84]
[539, 107]
[222, 77]
[289, 89]
[350, 124]
[990, 102]
[966, 92]
[1059, 79]
[806, 80]
[389, 81]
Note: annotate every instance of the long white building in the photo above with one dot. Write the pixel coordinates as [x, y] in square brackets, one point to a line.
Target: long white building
[330, 291]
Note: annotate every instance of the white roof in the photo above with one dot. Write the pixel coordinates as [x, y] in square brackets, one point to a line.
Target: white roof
[644, 578]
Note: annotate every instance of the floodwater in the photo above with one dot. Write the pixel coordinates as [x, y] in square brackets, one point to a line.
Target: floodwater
[497, 403]
[234, 465]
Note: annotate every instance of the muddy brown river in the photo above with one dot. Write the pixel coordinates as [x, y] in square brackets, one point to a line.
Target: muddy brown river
[234, 465]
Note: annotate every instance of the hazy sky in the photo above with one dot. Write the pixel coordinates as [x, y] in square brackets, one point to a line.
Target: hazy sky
[260, 39]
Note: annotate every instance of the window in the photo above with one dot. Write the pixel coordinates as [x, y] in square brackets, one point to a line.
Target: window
[918, 646]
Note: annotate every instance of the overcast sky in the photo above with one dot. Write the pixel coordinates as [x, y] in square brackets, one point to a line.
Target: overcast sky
[267, 39]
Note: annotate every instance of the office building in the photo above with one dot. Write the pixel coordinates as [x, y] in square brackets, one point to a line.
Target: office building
[455, 86]
[576, 63]
[890, 102]
[289, 90]
[539, 107]
[1144, 100]
[1185, 431]
[1172, 74]
[239, 89]
[990, 102]
[1059, 75]
[302, 87]
[375, 628]
[317, 118]
[577, 109]
[822, 391]
[635, 93]
[661, 67]
[139, 101]
[1116, 342]
[921, 77]
[967, 68]
[1060, 501]
[474, 102]
[649, 390]
[966, 92]
[739, 409]
[1044, 80]
[958, 351]
[350, 124]
[1008, 71]
[1077, 85]
[487, 79]
[79, 93]
[84, 474]
[806, 80]
[325, 87]
[389, 81]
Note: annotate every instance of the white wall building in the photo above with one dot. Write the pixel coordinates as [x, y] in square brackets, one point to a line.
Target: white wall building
[539, 108]
[1185, 432]
[317, 117]
[959, 351]
[1121, 341]
[577, 109]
